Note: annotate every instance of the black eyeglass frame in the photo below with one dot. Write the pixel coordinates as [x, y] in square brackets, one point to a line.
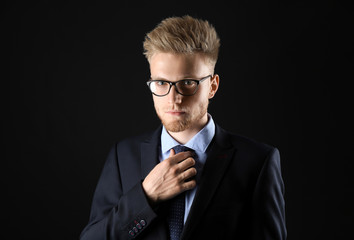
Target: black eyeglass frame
[174, 84]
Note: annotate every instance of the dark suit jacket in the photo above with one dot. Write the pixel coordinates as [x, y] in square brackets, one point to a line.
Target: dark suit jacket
[240, 195]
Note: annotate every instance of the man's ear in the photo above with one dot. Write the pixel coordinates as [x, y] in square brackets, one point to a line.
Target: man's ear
[214, 85]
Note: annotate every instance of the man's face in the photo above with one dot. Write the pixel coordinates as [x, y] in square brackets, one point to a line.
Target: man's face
[176, 112]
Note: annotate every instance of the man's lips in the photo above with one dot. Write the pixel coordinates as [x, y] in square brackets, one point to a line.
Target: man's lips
[175, 113]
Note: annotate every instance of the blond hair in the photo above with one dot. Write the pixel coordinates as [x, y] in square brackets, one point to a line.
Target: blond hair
[183, 35]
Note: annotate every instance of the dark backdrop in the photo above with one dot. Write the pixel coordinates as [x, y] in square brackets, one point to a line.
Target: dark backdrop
[73, 83]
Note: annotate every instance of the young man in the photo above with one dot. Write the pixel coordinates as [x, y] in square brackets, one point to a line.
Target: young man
[220, 186]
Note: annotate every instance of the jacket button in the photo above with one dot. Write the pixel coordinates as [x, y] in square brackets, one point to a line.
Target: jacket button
[135, 230]
[143, 223]
[139, 226]
[131, 233]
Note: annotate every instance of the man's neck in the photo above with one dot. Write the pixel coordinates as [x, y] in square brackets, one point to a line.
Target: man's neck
[184, 136]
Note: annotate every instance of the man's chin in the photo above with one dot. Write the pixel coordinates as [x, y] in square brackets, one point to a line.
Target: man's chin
[176, 126]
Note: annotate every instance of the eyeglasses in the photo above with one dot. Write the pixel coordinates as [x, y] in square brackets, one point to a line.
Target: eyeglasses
[185, 87]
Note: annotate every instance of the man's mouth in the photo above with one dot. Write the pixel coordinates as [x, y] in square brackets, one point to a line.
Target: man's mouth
[175, 112]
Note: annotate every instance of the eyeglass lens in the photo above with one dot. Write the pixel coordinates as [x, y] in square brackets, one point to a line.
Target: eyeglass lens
[185, 87]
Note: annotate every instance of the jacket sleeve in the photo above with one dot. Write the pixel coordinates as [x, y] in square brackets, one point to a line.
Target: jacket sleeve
[114, 214]
[268, 201]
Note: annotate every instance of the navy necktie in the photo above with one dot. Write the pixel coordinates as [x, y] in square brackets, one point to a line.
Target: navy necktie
[175, 216]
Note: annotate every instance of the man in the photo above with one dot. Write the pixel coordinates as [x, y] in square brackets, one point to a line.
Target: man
[222, 186]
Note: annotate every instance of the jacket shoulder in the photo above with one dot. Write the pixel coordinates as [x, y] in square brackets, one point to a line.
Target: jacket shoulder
[246, 144]
[133, 142]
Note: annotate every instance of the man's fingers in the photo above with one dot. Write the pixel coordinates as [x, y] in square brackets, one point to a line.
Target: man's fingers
[189, 173]
[179, 157]
[185, 164]
[170, 177]
[182, 187]
[189, 185]
[172, 152]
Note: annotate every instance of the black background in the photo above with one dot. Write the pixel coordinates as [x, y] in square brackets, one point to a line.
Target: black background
[73, 83]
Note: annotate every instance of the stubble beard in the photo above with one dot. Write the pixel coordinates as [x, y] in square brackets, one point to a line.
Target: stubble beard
[186, 122]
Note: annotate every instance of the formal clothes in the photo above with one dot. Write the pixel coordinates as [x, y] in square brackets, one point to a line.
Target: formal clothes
[176, 207]
[199, 144]
[239, 193]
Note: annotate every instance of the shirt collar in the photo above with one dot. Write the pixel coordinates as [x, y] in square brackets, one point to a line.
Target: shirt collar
[199, 142]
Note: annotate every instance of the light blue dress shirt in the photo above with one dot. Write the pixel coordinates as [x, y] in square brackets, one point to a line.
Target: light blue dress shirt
[199, 143]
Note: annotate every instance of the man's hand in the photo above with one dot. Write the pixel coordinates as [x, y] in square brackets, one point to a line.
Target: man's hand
[170, 177]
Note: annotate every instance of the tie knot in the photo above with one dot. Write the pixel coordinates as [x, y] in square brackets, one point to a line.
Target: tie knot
[180, 148]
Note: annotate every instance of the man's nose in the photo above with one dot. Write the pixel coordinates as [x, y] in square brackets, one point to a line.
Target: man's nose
[174, 96]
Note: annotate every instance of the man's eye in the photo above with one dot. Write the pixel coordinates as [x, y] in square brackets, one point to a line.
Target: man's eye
[188, 82]
[161, 83]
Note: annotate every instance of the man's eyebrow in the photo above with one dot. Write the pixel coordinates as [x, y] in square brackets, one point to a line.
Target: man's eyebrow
[158, 78]
[165, 79]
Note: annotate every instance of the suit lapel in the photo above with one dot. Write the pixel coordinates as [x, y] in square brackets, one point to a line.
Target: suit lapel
[220, 154]
[149, 159]
[150, 153]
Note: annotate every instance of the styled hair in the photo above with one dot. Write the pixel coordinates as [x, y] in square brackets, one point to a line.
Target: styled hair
[183, 35]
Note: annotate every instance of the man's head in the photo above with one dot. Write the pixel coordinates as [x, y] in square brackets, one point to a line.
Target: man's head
[182, 48]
